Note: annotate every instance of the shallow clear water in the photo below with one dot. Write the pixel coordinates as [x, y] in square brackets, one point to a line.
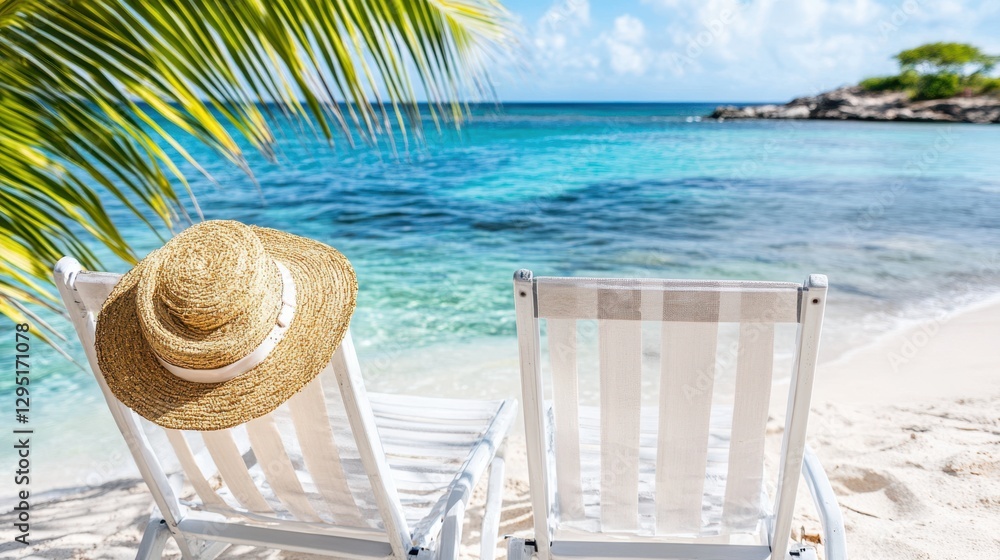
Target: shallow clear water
[904, 218]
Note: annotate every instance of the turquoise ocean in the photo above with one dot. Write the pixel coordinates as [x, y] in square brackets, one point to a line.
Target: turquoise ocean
[903, 218]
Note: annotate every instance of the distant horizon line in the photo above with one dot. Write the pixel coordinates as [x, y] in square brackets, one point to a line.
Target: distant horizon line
[569, 102]
[561, 102]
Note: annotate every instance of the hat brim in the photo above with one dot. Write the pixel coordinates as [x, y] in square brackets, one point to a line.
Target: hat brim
[326, 295]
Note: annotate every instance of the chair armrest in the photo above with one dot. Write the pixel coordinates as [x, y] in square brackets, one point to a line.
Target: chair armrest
[451, 516]
[482, 454]
[834, 541]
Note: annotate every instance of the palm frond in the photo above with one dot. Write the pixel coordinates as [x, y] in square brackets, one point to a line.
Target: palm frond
[87, 85]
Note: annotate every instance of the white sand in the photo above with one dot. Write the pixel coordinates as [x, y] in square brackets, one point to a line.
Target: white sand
[908, 429]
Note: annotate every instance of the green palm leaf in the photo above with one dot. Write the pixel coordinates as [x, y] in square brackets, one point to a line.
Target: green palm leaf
[86, 84]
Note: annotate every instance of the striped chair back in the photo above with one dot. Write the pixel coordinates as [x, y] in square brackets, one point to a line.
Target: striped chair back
[646, 404]
[315, 464]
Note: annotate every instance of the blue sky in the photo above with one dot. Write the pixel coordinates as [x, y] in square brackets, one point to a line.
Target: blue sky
[723, 50]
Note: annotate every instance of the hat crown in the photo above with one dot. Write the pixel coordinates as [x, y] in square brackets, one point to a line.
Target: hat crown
[206, 277]
[210, 297]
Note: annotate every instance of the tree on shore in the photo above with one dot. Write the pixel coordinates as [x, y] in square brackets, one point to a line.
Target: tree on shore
[940, 70]
[953, 58]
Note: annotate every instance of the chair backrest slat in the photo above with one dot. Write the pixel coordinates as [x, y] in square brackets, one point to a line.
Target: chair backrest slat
[192, 471]
[754, 370]
[687, 377]
[620, 363]
[95, 287]
[233, 470]
[562, 351]
[362, 419]
[680, 458]
[270, 452]
[321, 454]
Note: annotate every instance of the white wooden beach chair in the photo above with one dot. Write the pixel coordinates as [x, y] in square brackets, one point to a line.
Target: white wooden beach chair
[332, 471]
[669, 463]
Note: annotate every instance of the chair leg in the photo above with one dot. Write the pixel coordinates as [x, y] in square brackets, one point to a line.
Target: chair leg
[153, 540]
[493, 508]
[519, 549]
[798, 552]
[451, 532]
[823, 496]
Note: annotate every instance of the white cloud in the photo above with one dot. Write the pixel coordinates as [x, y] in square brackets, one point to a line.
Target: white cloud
[626, 59]
[670, 4]
[811, 42]
[629, 29]
[568, 12]
[557, 36]
[741, 49]
[625, 46]
[565, 18]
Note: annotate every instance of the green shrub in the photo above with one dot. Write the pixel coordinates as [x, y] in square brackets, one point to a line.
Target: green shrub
[990, 86]
[909, 79]
[938, 86]
[980, 84]
[880, 83]
[901, 82]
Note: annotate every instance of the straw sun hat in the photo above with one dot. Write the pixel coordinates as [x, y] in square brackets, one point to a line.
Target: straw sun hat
[223, 324]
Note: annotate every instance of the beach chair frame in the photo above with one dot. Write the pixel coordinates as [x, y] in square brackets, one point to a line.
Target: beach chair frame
[437, 535]
[573, 299]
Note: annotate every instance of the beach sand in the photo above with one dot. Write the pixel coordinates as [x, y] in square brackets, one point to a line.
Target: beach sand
[907, 428]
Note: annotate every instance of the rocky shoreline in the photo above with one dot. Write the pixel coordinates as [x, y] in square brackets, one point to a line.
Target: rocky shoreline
[853, 103]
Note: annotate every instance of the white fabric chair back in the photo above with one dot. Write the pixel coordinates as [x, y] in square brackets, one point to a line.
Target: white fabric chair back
[646, 404]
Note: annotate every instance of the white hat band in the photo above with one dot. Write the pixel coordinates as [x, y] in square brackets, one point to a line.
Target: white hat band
[259, 354]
